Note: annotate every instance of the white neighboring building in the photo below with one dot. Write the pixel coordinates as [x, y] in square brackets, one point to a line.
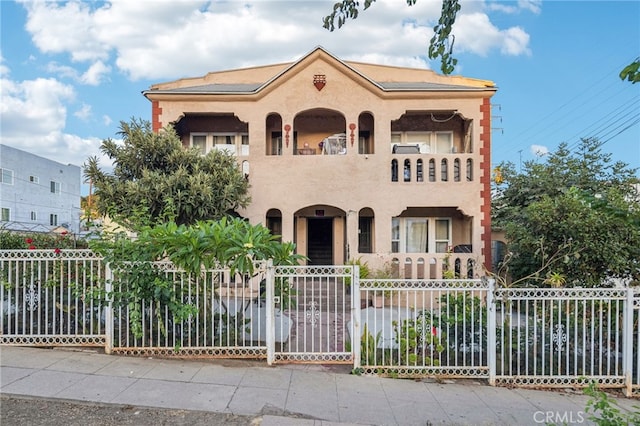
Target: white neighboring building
[38, 194]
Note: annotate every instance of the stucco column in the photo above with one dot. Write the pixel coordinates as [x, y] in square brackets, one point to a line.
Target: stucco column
[351, 251]
[287, 226]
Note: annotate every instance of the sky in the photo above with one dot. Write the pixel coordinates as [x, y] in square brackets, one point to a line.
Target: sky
[71, 71]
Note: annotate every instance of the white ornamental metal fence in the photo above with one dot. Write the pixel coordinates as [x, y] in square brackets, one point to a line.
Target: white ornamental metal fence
[400, 328]
[46, 298]
[316, 306]
[215, 314]
[417, 328]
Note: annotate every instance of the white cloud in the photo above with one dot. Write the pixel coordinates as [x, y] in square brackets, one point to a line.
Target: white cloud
[539, 150]
[106, 120]
[533, 6]
[174, 39]
[476, 34]
[33, 117]
[95, 74]
[84, 112]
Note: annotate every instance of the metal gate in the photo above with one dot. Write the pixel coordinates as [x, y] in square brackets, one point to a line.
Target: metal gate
[319, 303]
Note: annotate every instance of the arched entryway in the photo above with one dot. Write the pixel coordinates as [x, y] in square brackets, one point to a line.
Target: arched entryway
[320, 234]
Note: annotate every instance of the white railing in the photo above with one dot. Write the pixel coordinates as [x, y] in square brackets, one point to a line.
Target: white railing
[215, 314]
[422, 328]
[46, 298]
[317, 301]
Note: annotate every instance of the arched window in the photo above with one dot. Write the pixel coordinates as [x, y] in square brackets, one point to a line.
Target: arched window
[419, 172]
[469, 169]
[456, 170]
[394, 170]
[365, 230]
[444, 173]
[407, 170]
[274, 134]
[274, 222]
[432, 170]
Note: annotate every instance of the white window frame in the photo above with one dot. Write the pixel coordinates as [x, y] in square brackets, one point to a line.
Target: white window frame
[6, 176]
[401, 239]
[34, 216]
[55, 187]
[206, 142]
[53, 219]
[34, 179]
[239, 147]
[5, 214]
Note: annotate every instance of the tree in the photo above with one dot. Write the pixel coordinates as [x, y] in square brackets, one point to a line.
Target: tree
[580, 205]
[156, 179]
[441, 44]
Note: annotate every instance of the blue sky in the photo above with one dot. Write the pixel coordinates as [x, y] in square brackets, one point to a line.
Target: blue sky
[71, 71]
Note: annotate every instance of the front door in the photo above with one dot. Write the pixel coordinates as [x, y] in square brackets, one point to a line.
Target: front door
[320, 240]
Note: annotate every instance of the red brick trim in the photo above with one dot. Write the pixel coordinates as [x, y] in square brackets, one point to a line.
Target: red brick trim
[156, 111]
[485, 180]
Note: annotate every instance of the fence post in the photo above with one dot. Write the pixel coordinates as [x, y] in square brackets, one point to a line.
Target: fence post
[627, 343]
[355, 315]
[491, 330]
[108, 313]
[270, 313]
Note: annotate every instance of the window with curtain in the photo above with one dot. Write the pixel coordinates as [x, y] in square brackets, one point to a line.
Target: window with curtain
[420, 235]
[416, 235]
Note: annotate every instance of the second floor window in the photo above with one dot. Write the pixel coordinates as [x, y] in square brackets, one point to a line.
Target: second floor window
[6, 176]
[234, 143]
[55, 187]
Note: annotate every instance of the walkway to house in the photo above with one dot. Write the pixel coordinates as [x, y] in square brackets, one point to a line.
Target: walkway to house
[283, 395]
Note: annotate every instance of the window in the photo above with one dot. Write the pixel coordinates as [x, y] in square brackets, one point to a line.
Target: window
[34, 179]
[205, 142]
[200, 142]
[275, 147]
[55, 187]
[6, 214]
[6, 176]
[420, 235]
[442, 235]
[365, 228]
[34, 216]
[407, 171]
[53, 219]
[419, 171]
[395, 235]
[443, 142]
[244, 144]
[225, 143]
[417, 234]
[394, 170]
[423, 142]
[365, 145]
[444, 173]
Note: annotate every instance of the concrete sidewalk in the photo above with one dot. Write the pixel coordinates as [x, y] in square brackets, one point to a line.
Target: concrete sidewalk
[283, 395]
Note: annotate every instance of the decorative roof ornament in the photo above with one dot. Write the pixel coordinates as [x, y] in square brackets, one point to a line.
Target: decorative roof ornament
[319, 80]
